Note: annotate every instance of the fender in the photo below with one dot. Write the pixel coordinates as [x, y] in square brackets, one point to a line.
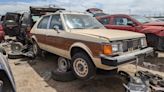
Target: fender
[83, 46]
[34, 37]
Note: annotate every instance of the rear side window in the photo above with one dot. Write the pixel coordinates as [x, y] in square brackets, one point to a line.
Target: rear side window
[105, 21]
[43, 23]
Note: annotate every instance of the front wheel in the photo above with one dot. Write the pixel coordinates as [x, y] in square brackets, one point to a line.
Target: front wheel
[83, 67]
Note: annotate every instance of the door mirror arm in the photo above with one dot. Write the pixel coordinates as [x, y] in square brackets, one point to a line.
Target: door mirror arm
[56, 28]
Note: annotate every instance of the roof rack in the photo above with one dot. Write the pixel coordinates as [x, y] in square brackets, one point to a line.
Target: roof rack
[64, 11]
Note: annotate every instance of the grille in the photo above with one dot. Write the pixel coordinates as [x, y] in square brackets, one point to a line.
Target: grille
[131, 44]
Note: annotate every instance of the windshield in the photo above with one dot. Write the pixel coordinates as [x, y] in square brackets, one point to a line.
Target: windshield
[74, 21]
[141, 19]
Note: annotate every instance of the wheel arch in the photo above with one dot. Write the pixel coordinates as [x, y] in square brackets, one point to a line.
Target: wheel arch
[81, 47]
[33, 38]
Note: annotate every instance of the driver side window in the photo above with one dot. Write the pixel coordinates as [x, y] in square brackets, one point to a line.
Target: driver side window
[122, 21]
[56, 21]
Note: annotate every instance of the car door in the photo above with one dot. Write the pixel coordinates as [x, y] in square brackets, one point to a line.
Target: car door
[122, 23]
[41, 30]
[55, 38]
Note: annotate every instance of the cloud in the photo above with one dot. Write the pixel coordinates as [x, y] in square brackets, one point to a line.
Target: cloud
[109, 6]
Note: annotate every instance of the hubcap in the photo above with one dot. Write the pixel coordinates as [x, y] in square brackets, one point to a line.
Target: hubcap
[80, 67]
[63, 64]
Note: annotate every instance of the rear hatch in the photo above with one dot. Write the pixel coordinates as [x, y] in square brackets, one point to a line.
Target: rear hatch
[37, 12]
[43, 10]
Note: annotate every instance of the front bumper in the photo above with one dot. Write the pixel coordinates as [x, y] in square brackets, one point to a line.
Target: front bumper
[125, 58]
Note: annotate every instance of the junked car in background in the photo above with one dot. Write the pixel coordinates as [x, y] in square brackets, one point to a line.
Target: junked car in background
[153, 30]
[11, 24]
[7, 83]
[85, 44]
[2, 33]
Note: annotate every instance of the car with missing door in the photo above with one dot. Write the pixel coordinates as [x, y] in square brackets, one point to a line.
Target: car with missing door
[86, 44]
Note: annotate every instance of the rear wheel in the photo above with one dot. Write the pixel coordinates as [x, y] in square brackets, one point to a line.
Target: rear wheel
[83, 67]
[35, 48]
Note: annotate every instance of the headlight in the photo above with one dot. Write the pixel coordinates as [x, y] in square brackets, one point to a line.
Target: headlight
[109, 49]
[143, 42]
[115, 47]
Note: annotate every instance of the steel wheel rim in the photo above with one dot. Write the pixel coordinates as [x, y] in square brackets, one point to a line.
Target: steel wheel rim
[80, 67]
[62, 64]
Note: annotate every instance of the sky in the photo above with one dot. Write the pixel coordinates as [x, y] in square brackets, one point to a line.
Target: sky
[141, 7]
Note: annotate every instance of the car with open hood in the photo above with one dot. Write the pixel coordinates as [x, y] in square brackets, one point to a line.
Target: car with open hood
[86, 44]
[154, 30]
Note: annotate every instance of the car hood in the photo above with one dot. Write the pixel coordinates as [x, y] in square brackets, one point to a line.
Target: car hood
[154, 24]
[110, 34]
[156, 28]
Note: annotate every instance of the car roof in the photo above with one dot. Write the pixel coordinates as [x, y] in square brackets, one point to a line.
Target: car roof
[117, 15]
[68, 12]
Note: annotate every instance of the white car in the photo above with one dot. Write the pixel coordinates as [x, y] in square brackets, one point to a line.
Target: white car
[87, 45]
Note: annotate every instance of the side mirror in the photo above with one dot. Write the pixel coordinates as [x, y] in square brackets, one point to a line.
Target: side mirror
[131, 24]
[56, 27]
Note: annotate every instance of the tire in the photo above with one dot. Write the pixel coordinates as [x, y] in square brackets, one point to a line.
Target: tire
[82, 60]
[63, 64]
[1, 85]
[12, 55]
[16, 47]
[63, 76]
[2, 50]
[35, 48]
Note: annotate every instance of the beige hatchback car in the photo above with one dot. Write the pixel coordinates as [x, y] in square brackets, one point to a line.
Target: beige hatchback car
[85, 44]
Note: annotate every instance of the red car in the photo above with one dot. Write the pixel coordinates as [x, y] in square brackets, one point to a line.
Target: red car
[2, 33]
[154, 31]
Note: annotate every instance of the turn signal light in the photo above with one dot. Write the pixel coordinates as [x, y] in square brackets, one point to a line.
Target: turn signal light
[107, 49]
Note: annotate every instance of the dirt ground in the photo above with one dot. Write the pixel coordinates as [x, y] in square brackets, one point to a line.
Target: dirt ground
[36, 77]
